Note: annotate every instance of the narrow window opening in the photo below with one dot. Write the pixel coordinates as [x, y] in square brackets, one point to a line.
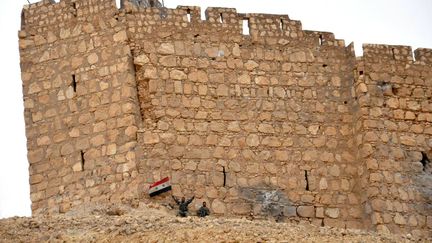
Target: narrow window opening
[281, 25]
[324, 65]
[393, 53]
[118, 4]
[360, 72]
[425, 161]
[152, 3]
[320, 40]
[188, 15]
[221, 20]
[74, 84]
[224, 176]
[246, 30]
[74, 9]
[307, 180]
[82, 160]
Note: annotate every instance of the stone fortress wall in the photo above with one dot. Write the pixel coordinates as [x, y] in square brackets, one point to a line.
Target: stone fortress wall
[278, 121]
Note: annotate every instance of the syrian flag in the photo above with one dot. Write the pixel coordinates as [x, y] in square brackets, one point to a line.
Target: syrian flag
[159, 187]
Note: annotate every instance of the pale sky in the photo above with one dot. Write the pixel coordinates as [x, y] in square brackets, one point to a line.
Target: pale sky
[398, 22]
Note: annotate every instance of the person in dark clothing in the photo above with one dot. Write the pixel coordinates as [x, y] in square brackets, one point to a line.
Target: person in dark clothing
[183, 205]
[203, 211]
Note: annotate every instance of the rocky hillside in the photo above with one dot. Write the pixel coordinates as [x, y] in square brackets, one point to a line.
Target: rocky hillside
[154, 223]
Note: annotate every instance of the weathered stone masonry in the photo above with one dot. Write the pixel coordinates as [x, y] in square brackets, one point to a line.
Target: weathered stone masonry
[282, 122]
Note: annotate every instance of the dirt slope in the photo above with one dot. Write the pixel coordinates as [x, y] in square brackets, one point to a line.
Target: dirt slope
[153, 223]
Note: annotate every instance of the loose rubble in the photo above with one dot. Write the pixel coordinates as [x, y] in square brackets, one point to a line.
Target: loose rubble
[155, 223]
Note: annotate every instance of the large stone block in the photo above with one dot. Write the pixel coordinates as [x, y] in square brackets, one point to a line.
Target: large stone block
[306, 211]
[151, 138]
[218, 207]
[332, 212]
[252, 140]
[166, 48]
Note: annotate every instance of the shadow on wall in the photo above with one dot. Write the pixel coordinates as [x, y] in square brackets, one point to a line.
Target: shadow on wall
[268, 202]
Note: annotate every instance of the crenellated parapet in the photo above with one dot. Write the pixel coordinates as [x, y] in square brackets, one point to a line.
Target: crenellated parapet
[324, 38]
[267, 25]
[222, 16]
[397, 53]
[423, 56]
[49, 15]
[46, 18]
[383, 53]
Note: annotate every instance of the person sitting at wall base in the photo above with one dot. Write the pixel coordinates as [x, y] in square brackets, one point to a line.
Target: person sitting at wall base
[203, 210]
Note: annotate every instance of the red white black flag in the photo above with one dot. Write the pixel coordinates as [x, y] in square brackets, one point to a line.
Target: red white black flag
[160, 187]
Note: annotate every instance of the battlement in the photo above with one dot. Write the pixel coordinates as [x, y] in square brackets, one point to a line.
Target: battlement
[396, 53]
[423, 55]
[387, 52]
[259, 25]
[325, 38]
[49, 16]
[221, 15]
[42, 14]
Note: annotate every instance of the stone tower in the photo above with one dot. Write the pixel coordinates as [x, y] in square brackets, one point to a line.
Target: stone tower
[276, 121]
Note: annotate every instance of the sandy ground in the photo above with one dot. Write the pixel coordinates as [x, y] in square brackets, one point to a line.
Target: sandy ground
[154, 223]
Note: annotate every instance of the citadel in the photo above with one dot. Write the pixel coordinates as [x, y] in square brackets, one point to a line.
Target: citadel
[270, 120]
